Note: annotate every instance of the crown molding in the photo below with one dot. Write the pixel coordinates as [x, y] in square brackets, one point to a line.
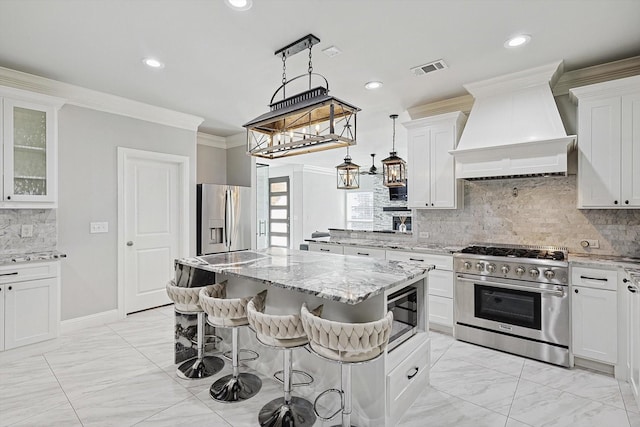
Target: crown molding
[237, 140]
[211, 140]
[87, 98]
[461, 103]
[597, 74]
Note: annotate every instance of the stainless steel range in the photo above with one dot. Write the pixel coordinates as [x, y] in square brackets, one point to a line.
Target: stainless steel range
[514, 299]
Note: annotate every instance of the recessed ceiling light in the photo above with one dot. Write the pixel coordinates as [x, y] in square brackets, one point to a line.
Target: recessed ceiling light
[153, 63]
[239, 4]
[517, 41]
[373, 85]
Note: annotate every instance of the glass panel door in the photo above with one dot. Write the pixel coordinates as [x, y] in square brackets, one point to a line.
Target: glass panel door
[279, 202]
[28, 164]
[262, 213]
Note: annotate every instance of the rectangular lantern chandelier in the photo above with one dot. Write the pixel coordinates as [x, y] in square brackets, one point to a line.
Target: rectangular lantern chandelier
[307, 122]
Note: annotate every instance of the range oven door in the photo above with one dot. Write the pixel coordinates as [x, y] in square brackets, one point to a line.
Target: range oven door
[536, 311]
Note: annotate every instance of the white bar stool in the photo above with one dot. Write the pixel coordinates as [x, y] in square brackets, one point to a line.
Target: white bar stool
[346, 344]
[223, 312]
[187, 301]
[284, 332]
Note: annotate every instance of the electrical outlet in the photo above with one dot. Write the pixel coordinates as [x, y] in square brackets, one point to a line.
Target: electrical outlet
[424, 234]
[26, 230]
[587, 243]
[99, 227]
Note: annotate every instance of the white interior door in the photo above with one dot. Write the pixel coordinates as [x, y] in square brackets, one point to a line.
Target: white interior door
[154, 216]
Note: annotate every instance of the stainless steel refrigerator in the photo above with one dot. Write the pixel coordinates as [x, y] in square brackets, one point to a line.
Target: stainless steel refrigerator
[224, 218]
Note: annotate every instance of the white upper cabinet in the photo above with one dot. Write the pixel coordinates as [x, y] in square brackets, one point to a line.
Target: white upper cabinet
[609, 144]
[431, 169]
[29, 149]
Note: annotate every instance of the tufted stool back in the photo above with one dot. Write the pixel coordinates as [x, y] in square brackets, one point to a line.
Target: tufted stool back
[186, 300]
[275, 330]
[222, 311]
[346, 342]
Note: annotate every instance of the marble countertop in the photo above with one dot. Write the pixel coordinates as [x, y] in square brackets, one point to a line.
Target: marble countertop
[407, 246]
[591, 260]
[10, 259]
[342, 278]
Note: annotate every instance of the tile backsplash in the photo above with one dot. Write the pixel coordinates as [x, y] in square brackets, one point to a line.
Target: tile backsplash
[45, 234]
[532, 211]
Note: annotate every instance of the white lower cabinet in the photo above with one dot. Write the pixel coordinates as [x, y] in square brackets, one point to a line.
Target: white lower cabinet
[440, 284]
[29, 304]
[594, 314]
[409, 378]
[633, 339]
[2, 293]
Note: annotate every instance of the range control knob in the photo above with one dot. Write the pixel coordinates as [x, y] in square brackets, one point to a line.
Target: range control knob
[519, 271]
[467, 265]
[534, 272]
[480, 266]
[491, 268]
[504, 269]
[549, 274]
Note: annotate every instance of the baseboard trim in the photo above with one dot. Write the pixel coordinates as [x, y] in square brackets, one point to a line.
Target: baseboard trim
[96, 319]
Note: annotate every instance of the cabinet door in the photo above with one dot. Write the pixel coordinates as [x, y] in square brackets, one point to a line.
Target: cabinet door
[634, 342]
[29, 147]
[441, 283]
[442, 169]
[30, 312]
[419, 164]
[599, 153]
[631, 150]
[595, 324]
[2, 293]
[441, 310]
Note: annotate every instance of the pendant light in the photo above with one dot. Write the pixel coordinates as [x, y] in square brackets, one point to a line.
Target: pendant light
[394, 169]
[373, 169]
[348, 174]
[307, 122]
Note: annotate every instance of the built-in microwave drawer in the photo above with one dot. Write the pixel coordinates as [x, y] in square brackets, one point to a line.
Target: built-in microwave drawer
[594, 278]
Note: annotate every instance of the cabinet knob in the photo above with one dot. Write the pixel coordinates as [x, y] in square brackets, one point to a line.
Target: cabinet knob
[632, 289]
[625, 280]
[10, 287]
[615, 202]
[575, 290]
[626, 202]
[8, 197]
[129, 243]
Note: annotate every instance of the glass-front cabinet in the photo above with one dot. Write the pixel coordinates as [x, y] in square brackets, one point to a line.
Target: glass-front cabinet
[29, 153]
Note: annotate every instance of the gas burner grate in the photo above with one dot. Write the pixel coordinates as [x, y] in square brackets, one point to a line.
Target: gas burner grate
[534, 252]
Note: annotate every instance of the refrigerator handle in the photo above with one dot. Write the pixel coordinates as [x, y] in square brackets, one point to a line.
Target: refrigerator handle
[226, 217]
[230, 220]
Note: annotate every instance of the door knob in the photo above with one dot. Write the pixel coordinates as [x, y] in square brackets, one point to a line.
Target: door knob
[129, 243]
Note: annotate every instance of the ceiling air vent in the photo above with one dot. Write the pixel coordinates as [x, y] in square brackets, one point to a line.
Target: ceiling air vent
[427, 68]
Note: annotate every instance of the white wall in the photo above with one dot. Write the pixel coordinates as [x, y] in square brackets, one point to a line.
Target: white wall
[239, 164]
[87, 164]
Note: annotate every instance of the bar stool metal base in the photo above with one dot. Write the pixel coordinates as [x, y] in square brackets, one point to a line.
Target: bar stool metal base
[200, 368]
[231, 388]
[298, 413]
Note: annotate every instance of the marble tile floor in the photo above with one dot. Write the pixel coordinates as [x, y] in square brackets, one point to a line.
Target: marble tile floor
[122, 374]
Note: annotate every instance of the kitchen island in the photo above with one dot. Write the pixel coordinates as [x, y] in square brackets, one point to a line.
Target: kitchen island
[351, 289]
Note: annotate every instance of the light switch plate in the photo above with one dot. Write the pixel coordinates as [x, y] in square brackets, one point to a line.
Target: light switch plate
[99, 227]
[26, 230]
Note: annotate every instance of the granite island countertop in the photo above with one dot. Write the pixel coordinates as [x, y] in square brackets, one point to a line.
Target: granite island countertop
[19, 258]
[342, 278]
[398, 245]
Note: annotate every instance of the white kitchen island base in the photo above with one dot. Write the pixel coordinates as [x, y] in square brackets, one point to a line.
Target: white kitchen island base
[382, 389]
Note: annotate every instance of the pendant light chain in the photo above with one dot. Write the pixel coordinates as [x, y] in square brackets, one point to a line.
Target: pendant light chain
[284, 75]
[394, 132]
[310, 65]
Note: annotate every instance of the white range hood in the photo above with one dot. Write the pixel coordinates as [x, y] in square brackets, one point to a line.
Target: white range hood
[514, 128]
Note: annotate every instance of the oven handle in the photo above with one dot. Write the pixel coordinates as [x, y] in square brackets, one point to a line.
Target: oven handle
[559, 293]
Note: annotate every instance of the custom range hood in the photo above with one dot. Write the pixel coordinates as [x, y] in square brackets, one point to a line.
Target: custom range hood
[514, 128]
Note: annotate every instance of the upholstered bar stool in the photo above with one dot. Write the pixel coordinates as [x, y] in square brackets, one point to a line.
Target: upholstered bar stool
[346, 344]
[223, 312]
[284, 332]
[187, 301]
